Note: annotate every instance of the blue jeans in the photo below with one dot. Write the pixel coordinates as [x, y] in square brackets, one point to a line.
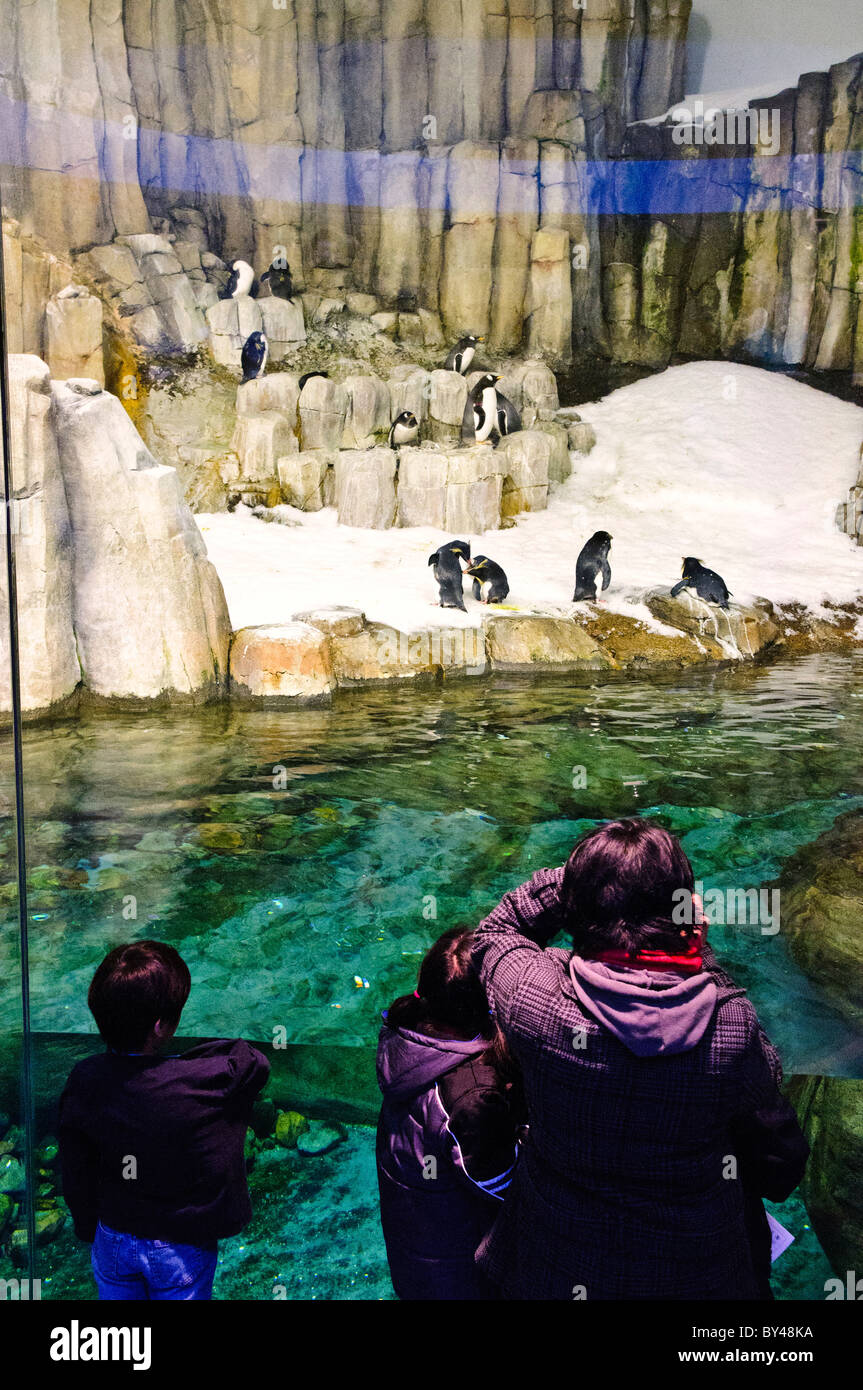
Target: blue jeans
[130, 1267]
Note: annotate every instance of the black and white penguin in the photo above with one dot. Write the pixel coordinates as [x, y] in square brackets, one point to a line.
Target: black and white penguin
[253, 358]
[591, 565]
[281, 284]
[307, 376]
[707, 584]
[404, 429]
[241, 281]
[461, 356]
[490, 584]
[508, 418]
[485, 408]
[448, 572]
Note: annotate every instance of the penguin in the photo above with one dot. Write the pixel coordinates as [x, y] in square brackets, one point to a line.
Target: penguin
[590, 565]
[253, 358]
[490, 584]
[485, 407]
[241, 281]
[307, 376]
[281, 284]
[404, 429]
[707, 584]
[448, 572]
[461, 356]
[508, 418]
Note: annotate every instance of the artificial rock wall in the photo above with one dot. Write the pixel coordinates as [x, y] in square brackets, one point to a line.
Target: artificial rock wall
[459, 156]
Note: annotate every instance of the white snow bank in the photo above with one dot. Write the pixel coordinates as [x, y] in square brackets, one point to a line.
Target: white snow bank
[738, 466]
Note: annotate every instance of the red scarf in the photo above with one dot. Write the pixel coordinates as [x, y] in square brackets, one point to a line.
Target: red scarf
[688, 962]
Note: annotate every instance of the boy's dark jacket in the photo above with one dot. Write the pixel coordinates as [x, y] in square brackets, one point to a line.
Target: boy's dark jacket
[153, 1145]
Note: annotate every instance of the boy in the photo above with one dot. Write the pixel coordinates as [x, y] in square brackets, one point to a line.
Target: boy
[151, 1144]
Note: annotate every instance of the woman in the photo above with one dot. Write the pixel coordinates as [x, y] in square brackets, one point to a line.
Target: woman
[652, 1091]
[446, 1141]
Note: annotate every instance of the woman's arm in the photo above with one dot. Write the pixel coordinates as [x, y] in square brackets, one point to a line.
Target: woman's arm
[511, 938]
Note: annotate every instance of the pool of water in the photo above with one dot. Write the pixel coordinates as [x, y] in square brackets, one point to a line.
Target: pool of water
[303, 860]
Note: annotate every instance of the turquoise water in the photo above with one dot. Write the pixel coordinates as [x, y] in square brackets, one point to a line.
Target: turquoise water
[302, 862]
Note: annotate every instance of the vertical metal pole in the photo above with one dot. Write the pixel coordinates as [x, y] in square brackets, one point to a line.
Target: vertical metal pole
[15, 683]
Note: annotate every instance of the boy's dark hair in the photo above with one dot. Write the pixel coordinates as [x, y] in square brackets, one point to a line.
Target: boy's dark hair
[135, 986]
[618, 889]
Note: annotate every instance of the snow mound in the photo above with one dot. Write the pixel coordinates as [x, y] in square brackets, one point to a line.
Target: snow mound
[741, 467]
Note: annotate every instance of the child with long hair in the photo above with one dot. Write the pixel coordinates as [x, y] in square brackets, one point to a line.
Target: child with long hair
[448, 1130]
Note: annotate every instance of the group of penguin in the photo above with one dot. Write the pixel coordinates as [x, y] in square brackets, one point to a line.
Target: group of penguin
[253, 358]
[592, 575]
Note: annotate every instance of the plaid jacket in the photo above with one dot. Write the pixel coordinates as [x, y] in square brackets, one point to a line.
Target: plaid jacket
[626, 1186]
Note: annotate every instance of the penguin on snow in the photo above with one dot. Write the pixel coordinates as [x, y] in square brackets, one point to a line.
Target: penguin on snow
[461, 356]
[253, 358]
[448, 572]
[490, 584]
[241, 281]
[707, 584]
[281, 284]
[591, 566]
[404, 429]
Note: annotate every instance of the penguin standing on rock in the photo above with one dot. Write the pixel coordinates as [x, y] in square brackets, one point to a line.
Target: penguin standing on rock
[485, 407]
[508, 418]
[591, 566]
[307, 376]
[448, 573]
[253, 358]
[281, 284]
[241, 281]
[707, 584]
[490, 584]
[404, 429]
[461, 356]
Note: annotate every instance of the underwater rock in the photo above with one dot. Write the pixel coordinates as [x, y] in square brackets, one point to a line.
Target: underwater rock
[11, 1174]
[7, 1212]
[263, 1117]
[830, 1110]
[229, 839]
[283, 659]
[366, 487]
[523, 643]
[289, 1126]
[73, 335]
[742, 631]
[821, 888]
[320, 1138]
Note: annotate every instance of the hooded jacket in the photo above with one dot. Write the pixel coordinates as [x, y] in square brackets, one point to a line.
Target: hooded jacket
[446, 1148]
[651, 1097]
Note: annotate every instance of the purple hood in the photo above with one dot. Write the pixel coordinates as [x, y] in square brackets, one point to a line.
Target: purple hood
[652, 1012]
[409, 1063]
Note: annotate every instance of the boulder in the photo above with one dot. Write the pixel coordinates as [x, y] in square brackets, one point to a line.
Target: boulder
[821, 889]
[289, 1126]
[525, 642]
[581, 436]
[550, 295]
[830, 1110]
[474, 487]
[149, 613]
[523, 459]
[741, 631]
[368, 411]
[386, 322]
[336, 621]
[274, 391]
[559, 461]
[366, 488]
[290, 660]
[362, 304]
[73, 335]
[320, 1138]
[260, 440]
[49, 667]
[323, 408]
[190, 426]
[410, 388]
[382, 653]
[306, 479]
[446, 406]
[230, 322]
[283, 324]
[422, 487]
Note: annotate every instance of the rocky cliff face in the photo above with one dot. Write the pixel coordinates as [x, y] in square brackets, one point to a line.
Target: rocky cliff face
[456, 156]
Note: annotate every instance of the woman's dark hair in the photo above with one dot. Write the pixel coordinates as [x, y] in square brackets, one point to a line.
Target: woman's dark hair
[451, 996]
[135, 986]
[618, 889]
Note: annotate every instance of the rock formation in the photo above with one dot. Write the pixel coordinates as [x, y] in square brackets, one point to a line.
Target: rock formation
[830, 1110]
[114, 588]
[502, 170]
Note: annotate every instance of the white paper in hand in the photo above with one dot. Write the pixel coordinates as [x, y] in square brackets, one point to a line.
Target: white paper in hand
[780, 1239]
